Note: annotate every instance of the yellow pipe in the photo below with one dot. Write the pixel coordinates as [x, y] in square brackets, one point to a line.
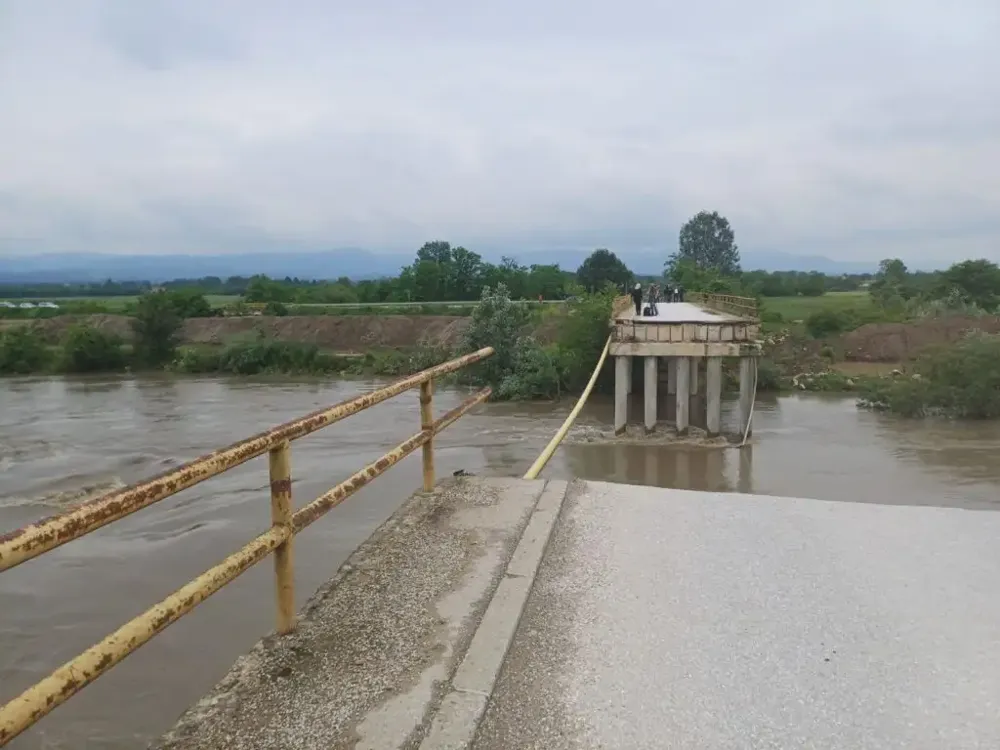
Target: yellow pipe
[543, 459]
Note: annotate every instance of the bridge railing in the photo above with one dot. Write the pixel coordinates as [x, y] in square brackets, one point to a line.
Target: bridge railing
[745, 307]
[23, 544]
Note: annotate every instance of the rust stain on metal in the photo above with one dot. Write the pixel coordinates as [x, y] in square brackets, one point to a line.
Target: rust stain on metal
[30, 541]
[331, 499]
[38, 700]
[282, 486]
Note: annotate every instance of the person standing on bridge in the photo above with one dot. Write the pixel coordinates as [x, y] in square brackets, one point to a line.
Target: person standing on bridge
[654, 294]
[637, 299]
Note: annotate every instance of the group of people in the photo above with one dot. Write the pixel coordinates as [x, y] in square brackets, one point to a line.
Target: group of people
[673, 293]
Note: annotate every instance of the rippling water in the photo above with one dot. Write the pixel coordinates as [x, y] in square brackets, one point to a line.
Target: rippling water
[63, 440]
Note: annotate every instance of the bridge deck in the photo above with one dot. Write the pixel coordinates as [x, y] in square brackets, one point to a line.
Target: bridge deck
[656, 618]
[678, 312]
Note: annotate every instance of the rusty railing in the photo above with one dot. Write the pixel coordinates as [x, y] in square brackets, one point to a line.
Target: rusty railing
[744, 307]
[23, 544]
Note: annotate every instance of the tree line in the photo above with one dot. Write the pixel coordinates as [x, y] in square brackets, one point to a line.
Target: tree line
[707, 258]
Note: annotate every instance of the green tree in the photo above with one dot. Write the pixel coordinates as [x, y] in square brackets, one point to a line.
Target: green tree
[190, 303]
[465, 278]
[601, 268]
[549, 281]
[264, 289]
[22, 352]
[498, 322]
[707, 241]
[977, 281]
[156, 325]
[86, 349]
[695, 278]
[891, 286]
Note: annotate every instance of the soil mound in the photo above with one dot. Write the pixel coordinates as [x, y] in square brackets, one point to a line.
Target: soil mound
[339, 332]
[52, 330]
[898, 342]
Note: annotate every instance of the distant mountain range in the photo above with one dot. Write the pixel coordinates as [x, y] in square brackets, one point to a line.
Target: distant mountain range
[354, 263]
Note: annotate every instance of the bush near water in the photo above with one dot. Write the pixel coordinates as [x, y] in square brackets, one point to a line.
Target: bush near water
[814, 324]
[522, 368]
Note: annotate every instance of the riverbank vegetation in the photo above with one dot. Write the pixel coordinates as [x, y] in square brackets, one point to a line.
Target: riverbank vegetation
[960, 381]
[819, 332]
[524, 367]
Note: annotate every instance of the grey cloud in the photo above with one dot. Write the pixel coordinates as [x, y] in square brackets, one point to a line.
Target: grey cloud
[856, 128]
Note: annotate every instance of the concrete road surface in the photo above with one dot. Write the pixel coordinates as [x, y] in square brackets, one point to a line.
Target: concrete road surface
[671, 619]
[678, 312]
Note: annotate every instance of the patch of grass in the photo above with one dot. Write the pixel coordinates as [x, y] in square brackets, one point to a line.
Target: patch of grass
[119, 304]
[794, 309]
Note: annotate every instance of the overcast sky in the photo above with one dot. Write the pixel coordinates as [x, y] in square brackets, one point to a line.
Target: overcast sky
[855, 129]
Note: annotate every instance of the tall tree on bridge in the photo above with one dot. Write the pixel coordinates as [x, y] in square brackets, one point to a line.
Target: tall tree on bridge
[600, 268]
[707, 242]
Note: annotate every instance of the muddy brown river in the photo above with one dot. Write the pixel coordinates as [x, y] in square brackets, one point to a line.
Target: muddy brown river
[63, 440]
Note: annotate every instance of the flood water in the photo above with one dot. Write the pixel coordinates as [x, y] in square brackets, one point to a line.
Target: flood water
[62, 439]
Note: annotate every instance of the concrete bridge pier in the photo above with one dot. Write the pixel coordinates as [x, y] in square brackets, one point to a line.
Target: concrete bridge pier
[747, 387]
[713, 396]
[651, 375]
[623, 372]
[683, 414]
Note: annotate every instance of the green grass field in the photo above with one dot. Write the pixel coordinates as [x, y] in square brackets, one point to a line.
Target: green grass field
[114, 304]
[793, 309]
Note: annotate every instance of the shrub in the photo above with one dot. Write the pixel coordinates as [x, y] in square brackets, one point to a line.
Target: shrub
[259, 357]
[823, 323]
[278, 309]
[498, 322]
[582, 334]
[22, 352]
[961, 381]
[536, 374]
[86, 349]
[156, 325]
[768, 376]
[189, 303]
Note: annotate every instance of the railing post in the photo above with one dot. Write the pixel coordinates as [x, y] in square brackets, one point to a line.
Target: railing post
[427, 423]
[279, 465]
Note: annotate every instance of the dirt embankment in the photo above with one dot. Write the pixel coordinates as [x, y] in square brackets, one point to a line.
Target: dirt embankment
[337, 332]
[873, 345]
[899, 342]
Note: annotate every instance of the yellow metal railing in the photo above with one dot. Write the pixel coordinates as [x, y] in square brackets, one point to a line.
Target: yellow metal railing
[745, 307]
[23, 544]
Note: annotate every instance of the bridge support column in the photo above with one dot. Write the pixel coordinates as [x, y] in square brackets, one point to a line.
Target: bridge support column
[628, 375]
[671, 375]
[621, 393]
[683, 370]
[713, 396]
[695, 364]
[746, 394]
[649, 393]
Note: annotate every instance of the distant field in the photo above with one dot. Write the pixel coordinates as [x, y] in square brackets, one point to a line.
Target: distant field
[118, 303]
[800, 308]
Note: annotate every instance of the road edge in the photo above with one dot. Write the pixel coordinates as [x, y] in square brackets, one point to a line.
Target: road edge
[457, 720]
